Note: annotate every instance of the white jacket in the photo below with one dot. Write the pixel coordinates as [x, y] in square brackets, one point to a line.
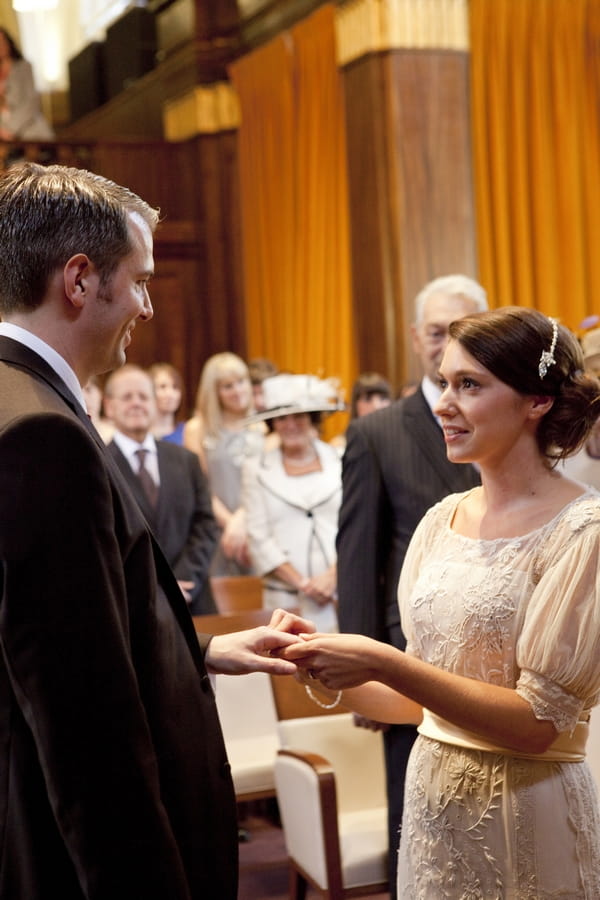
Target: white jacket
[293, 519]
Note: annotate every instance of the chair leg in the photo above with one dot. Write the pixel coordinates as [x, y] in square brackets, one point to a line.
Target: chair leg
[298, 885]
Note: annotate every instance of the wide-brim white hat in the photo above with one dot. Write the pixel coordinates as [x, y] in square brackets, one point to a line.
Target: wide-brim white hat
[285, 395]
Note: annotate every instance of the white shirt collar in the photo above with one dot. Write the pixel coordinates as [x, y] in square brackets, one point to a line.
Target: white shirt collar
[128, 446]
[56, 362]
[432, 393]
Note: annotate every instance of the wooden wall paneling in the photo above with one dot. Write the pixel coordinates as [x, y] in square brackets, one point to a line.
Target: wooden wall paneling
[197, 250]
[172, 335]
[197, 247]
[218, 310]
[163, 339]
[165, 176]
[153, 169]
[137, 110]
[215, 18]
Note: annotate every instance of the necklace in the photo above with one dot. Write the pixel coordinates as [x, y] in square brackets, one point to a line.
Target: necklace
[302, 461]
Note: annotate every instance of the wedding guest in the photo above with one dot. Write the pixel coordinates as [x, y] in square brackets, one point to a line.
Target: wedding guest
[21, 116]
[584, 465]
[168, 391]
[370, 391]
[217, 432]
[167, 482]
[259, 369]
[291, 495]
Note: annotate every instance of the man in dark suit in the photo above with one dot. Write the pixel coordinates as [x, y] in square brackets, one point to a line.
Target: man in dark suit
[394, 469]
[114, 781]
[180, 514]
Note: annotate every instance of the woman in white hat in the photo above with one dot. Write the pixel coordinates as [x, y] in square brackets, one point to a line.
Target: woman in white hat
[291, 496]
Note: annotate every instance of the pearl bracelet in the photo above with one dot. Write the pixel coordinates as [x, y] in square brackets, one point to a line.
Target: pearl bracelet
[316, 700]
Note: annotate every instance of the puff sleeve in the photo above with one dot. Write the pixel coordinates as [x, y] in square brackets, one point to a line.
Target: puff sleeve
[558, 652]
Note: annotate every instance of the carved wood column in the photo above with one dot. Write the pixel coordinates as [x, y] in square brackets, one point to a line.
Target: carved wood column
[409, 146]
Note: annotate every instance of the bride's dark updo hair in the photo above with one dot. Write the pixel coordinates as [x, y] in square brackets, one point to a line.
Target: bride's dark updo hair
[510, 342]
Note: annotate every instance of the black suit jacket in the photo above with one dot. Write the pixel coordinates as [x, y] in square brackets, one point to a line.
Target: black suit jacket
[114, 781]
[183, 521]
[394, 469]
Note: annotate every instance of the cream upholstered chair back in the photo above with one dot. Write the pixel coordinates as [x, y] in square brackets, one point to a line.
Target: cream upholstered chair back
[247, 712]
[330, 781]
[351, 751]
[249, 722]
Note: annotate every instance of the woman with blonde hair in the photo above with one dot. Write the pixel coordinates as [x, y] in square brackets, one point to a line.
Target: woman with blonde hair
[217, 432]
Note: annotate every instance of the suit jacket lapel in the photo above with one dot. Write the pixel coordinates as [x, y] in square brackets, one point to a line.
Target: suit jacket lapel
[24, 358]
[165, 473]
[18, 355]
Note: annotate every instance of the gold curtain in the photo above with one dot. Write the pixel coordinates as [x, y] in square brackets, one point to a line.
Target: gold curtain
[295, 228]
[535, 106]
[8, 20]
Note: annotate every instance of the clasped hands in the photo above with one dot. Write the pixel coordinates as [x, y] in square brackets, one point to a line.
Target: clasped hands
[289, 645]
[321, 588]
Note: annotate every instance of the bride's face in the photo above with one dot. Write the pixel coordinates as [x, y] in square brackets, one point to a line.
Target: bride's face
[483, 419]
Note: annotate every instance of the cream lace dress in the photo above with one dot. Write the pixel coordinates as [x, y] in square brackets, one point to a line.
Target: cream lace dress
[480, 823]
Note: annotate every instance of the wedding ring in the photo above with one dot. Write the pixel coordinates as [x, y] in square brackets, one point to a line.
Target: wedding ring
[311, 674]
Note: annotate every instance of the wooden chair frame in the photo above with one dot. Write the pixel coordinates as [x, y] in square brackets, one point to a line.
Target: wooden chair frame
[299, 879]
[236, 593]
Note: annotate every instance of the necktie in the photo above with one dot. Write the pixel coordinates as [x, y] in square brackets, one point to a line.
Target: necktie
[146, 480]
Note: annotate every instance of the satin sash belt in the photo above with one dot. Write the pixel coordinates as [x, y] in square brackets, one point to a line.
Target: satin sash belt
[566, 747]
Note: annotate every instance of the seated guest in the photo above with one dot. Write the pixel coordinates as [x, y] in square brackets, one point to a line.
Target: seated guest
[167, 482]
[291, 495]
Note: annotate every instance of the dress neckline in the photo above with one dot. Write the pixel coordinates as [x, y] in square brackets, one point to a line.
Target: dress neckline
[586, 494]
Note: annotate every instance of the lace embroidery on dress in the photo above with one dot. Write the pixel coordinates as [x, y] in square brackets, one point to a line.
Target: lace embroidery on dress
[480, 825]
[549, 700]
[451, 851]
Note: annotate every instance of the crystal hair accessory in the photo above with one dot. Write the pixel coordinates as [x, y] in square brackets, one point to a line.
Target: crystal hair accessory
[547, 357]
